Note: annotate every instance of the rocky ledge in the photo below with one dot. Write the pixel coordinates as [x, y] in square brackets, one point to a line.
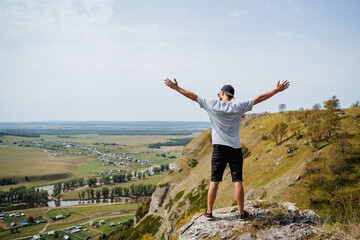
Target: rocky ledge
[267, 221]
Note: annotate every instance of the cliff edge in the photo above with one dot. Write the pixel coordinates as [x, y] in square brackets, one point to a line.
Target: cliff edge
[267, 221]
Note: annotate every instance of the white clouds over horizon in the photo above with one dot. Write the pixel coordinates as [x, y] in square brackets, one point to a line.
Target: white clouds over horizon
[106, 60]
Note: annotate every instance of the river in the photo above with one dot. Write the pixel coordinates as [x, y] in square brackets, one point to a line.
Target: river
[63, 203]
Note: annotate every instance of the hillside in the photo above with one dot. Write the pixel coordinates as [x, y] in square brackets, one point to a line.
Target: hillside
[315, 165]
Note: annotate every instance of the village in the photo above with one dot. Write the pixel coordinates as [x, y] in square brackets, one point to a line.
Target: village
[122, 159]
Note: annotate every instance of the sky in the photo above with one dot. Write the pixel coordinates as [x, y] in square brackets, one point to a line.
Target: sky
[107, 60]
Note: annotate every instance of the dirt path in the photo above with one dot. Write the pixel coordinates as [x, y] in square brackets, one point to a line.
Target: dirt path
[47, 221]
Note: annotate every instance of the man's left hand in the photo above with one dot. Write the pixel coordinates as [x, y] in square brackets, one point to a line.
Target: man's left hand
[174, 85]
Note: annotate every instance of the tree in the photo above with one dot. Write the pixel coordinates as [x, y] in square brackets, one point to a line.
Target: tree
[296, 130]
[98, 194]
[91, 182]
[128, 176]
[282, 107]
[88, 191]
[92, 193]
[105, 192]
[342, 139]
[316, 134]
[57, 188]
[106, 180]
[303, 116]
[278, 132]
[162, 168]
[126, 191]
[356, 104]
[79, 195]
[316, 107]
[139, 175]
[156, 170]
[332, 104]
[83, 194]
[289, 116]
[112, 193]
[132, 187]
[81, 182]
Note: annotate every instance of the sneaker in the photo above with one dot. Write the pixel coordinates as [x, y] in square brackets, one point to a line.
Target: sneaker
[244, 216]
[208, 216]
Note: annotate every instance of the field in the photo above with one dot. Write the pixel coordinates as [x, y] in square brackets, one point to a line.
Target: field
[43, 167]
[20, 162]
[58, 154]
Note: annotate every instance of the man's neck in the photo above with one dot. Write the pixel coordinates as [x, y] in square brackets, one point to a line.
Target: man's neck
[226, 100]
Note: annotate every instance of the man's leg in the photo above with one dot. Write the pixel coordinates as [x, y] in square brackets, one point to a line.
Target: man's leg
[212, 195]
[239, 195]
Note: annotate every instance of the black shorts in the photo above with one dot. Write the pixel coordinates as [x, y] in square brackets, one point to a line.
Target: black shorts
[220, 157]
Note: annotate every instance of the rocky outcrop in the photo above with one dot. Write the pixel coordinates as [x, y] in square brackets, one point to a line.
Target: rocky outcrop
[158, 197]
[267, 221]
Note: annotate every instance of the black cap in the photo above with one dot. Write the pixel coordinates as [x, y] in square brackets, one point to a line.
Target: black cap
[228, 90]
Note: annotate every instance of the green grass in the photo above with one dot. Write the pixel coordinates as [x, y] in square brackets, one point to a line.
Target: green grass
[93, 209]
[26, 231]
[105, 228]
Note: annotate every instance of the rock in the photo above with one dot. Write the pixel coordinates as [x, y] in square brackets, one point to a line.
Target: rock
[293, 231]
[341, 112]
[263, 223]
[291, 207]
[308, 216]
[298, 178]
[157, 198]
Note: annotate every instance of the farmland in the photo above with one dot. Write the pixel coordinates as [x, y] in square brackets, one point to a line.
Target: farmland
[58, 152]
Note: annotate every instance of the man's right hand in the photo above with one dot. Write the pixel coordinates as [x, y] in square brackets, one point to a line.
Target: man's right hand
[174, 85]
[281, 87]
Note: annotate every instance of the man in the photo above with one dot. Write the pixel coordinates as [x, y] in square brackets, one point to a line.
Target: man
[225, 115]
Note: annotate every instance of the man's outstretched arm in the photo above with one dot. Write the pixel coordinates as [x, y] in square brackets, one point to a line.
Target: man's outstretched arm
[279, 88]
[174, 85]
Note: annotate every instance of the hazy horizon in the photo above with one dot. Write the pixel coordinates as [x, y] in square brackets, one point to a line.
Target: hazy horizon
[107, 60]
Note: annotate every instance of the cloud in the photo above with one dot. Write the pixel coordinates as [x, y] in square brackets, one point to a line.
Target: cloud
[178, 10]
[297, 7]
[237, 13]
[283, 34]
[302, 36]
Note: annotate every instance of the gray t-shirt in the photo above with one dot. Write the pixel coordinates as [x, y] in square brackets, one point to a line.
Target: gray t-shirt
[225, 119]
